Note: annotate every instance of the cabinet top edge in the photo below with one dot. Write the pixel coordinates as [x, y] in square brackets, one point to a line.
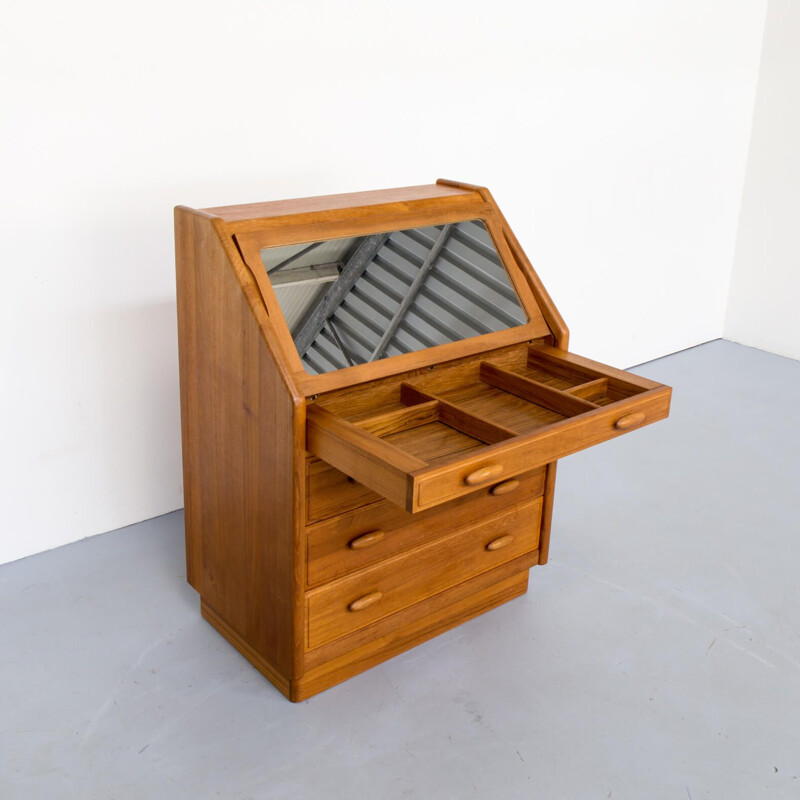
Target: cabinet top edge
[334, 202]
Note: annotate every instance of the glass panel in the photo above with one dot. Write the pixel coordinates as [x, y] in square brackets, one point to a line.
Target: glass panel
[351, 301]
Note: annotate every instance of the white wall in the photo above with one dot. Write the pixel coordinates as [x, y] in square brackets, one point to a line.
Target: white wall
[613, 135]
[765, 282]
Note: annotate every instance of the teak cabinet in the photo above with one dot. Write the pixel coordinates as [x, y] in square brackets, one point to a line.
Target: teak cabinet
[375, 389]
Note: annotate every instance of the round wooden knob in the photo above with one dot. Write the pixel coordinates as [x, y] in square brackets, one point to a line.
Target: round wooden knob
[366, 540]
[629, 421]
[504, 488]
[497, 544]
[483, 475]
[365, 602]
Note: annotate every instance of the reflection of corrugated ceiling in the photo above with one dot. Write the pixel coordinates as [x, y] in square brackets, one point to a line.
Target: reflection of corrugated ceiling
[296, 300]
[465, 292]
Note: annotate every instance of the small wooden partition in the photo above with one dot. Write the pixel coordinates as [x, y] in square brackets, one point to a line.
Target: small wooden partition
[375, 389]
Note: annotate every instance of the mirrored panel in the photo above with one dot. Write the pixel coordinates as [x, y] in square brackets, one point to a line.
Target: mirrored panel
[352, 301]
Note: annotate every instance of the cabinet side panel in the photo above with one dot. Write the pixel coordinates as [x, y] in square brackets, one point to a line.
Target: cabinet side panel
[238, 455]
[185, 258]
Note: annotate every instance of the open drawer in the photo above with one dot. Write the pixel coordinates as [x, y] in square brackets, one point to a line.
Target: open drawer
[448, 436]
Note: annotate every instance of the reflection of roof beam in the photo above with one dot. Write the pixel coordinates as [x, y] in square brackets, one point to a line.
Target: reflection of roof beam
[317, 273]
[299, 254]
[352, 271]
[412, 292]
[345, 352]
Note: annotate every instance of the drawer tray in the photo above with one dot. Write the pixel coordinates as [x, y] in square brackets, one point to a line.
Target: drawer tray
[450, 438]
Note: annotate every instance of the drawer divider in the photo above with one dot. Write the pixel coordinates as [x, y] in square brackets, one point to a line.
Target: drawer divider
[401, 419]
[533, 391]
[589, 389]
[457, 417]
[581, 370]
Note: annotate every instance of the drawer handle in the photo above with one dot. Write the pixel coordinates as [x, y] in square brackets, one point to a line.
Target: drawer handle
[496, 544]
[366, 540]
[483, 475]
[629, 421]
[365, 602]
[504, 488]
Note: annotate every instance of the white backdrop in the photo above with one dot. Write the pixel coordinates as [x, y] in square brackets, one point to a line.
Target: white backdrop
[765, 283]
[613, 135]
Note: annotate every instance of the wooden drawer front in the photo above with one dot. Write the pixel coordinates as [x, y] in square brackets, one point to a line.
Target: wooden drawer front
[330, 492]
[342, 545]
[506, 460]
[378, 591]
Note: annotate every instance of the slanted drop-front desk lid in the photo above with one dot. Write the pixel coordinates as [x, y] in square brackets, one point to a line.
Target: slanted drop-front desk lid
[358, 299]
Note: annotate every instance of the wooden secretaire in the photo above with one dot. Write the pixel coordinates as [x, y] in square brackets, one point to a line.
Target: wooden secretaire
[375, 389]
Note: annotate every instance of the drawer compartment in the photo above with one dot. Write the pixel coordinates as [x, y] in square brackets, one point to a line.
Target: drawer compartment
[350, 542]
[493, 422]
[330, 492]
[351, 603]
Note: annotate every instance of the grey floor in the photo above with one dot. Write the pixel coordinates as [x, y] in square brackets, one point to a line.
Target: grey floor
[656, 656]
